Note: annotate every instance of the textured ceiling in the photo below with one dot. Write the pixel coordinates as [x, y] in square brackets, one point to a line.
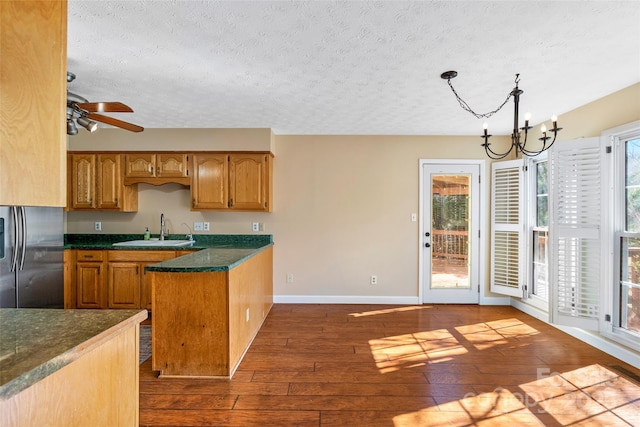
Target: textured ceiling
[349, 67]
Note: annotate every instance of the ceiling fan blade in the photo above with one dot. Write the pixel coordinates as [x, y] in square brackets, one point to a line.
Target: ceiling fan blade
[115, 122]
[104, 107]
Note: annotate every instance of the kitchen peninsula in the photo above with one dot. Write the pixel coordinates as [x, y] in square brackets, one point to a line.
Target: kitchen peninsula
[69, 367]
[208, 303]
[207, 308]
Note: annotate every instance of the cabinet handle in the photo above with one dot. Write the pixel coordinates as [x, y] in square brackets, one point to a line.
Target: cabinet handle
[230, 203]
[150, 170]
[158, 171]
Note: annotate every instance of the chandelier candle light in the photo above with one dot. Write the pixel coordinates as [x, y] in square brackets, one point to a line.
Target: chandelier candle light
[517, 141]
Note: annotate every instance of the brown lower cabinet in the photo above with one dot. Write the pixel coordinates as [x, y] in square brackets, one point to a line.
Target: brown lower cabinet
[110, 278]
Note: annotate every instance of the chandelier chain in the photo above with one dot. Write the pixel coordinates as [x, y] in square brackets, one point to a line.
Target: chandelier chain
[466, 107]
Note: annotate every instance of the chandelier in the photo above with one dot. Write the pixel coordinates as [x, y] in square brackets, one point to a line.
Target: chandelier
[518, 140]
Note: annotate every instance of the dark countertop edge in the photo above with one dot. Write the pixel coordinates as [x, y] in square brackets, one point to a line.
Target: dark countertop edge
[18, 384]
[202, 241]
[158, 268]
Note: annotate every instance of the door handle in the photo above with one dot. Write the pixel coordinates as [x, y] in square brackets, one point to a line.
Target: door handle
[16, 231]
[427, 245]
[23, 219]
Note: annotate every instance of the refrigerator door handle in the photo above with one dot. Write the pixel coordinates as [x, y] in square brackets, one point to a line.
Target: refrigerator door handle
[14, 257]
[23, 217]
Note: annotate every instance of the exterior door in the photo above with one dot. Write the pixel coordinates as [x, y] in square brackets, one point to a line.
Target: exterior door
[450, 240]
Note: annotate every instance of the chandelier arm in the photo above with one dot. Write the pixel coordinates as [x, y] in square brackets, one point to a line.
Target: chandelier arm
[468, 109]
[493, 155]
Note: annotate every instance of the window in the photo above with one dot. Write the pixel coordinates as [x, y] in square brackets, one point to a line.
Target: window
[626, 301]
[539, 229]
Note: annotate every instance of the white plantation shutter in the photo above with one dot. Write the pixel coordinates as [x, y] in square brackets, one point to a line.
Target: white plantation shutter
[507, 239]
[575, 232]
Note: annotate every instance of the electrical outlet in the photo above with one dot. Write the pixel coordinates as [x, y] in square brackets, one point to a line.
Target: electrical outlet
[98, 226]
[247, 314]
[255, 226]
[197, 226]
[289, 277]
[206, 226]
[261, 226]
[374, 280]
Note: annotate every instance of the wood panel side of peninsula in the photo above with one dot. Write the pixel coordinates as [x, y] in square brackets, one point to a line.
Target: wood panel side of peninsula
[203, 322]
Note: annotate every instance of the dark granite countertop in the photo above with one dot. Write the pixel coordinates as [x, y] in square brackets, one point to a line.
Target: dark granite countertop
[215, 252]
[207, 260]
[201, 241]
[35, 343]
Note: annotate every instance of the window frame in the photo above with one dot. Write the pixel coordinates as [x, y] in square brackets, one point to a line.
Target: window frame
[615, 228]
[531, 226]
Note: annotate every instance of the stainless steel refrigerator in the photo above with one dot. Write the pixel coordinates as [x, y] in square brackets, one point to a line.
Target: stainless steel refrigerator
[31, 257]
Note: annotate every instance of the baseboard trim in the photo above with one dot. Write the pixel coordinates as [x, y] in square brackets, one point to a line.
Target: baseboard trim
[591, 338]
[495, 301]
[361, 299]
[344, 299]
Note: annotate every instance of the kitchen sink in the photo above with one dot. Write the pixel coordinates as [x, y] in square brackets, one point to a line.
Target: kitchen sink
[169, 243]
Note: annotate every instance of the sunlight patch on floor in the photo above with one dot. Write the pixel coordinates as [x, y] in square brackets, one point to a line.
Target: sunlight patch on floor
[591, 395]
[391, 310]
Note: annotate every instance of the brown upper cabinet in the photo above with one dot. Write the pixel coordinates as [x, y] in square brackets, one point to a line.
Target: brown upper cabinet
[33, 48]
[232, 181]
[218, 181]
[157, 168]
[95, 183]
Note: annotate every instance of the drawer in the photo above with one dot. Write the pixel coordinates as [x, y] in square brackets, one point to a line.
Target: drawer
[84, 255]
[141, 256]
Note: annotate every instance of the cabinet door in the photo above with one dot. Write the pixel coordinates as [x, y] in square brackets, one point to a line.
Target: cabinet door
[172, 165]
[109, 186]
[140, 165]
[83, 176]
[89, 287]
[248, 181]
[33, 64]
[209, 183]
[124, 285]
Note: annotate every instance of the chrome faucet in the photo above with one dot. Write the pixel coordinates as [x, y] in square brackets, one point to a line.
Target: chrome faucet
[190, 235]
[161, 226]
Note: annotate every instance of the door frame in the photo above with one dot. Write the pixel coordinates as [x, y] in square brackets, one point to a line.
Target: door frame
[482, 223]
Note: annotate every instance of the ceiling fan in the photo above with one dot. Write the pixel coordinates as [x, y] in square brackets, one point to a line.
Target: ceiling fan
[85, 113]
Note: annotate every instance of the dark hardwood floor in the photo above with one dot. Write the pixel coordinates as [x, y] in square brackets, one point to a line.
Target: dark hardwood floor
[370, 365]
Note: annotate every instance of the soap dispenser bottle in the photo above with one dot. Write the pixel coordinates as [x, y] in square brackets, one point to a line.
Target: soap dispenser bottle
[147, 235]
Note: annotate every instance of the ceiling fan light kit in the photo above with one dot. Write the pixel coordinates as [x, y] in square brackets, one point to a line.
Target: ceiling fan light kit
[517, 141]
[89, 125]
[83, 112]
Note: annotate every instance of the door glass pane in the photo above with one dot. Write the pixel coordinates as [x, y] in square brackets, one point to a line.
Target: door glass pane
[450, 213]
